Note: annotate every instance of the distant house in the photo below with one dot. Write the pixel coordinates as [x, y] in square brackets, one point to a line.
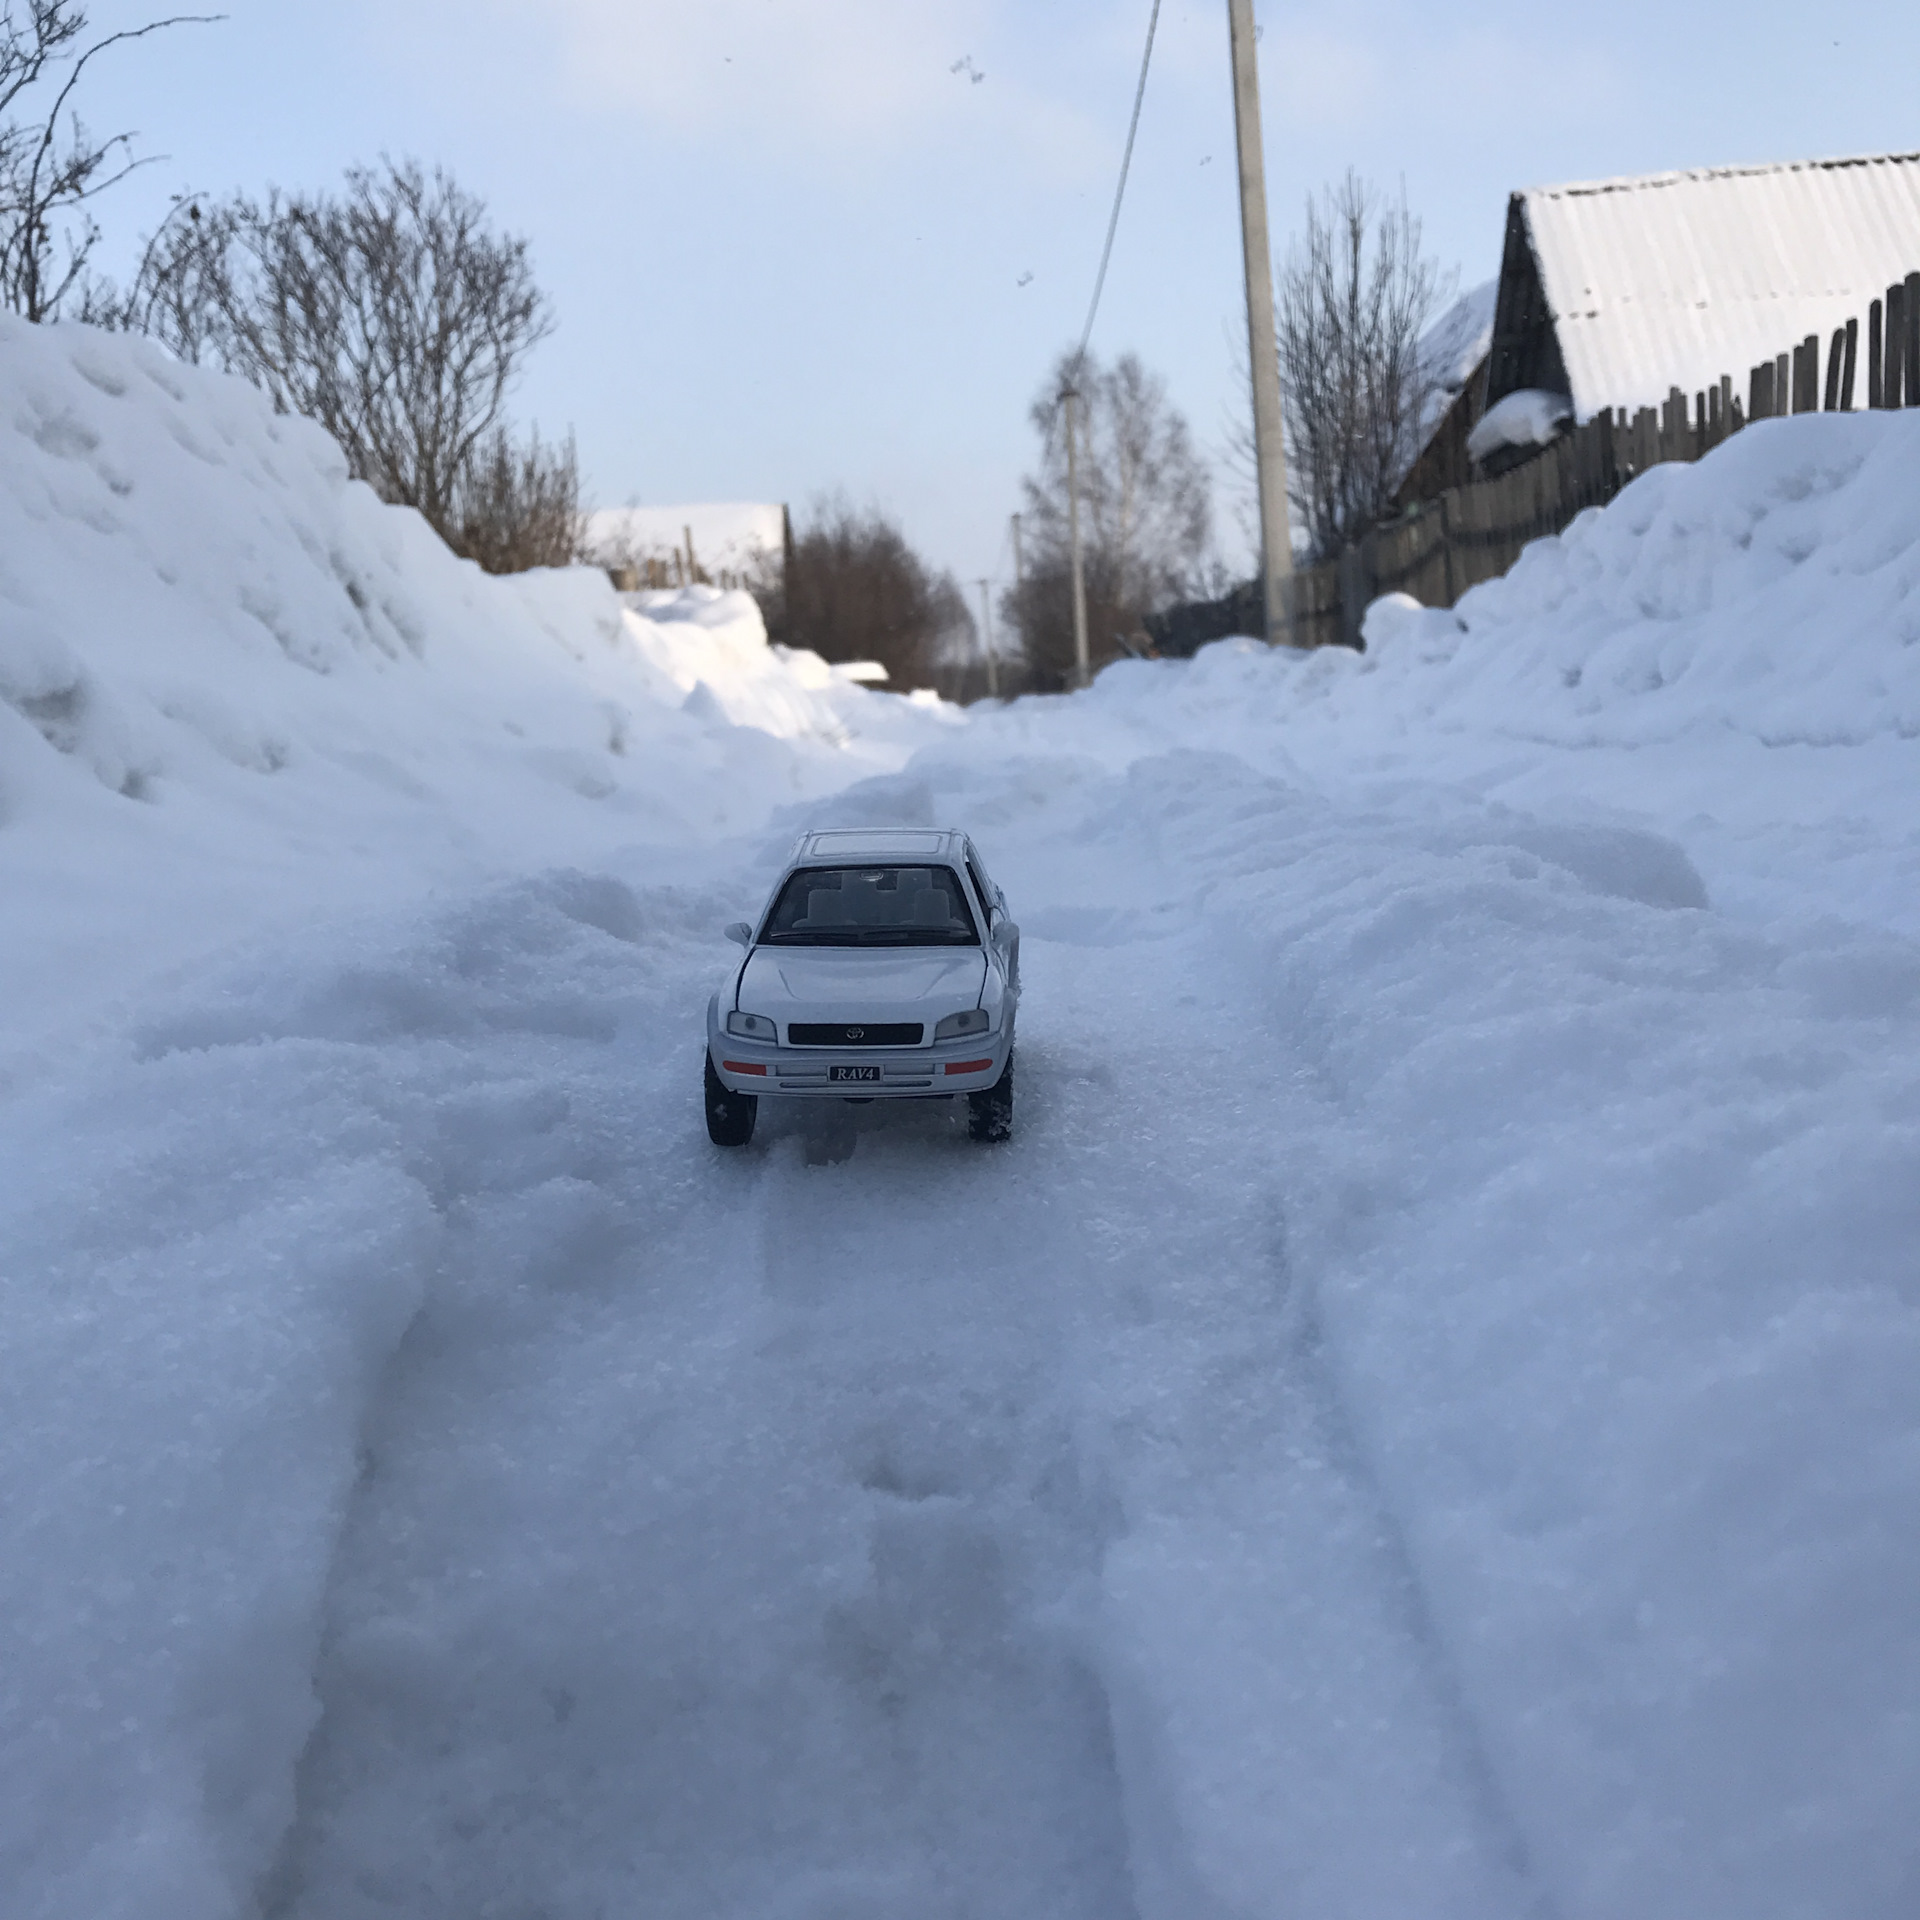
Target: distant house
[720, 545]
[1613, 292]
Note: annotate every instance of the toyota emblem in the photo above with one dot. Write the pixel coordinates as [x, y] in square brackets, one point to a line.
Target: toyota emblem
[856, 1033]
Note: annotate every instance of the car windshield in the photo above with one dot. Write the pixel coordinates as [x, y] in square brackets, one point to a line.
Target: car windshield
[871, 907]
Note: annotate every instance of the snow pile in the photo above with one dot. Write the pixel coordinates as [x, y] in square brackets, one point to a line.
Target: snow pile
[1527, 418]
[1418, 1421]
[1774, 588]
[232, 682]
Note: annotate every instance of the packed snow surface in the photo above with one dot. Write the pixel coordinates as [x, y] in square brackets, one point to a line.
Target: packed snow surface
[1420, 1420]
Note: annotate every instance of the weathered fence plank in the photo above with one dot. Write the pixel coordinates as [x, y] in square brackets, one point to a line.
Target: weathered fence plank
[1912, 289]
[1894, 360]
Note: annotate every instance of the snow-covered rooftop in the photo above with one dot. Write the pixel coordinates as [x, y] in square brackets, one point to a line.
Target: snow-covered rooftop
[727, 536]
[1673, 279]
[1452, 349]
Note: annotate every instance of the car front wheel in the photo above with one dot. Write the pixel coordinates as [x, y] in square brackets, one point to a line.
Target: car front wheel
[730, 1116]
[990, 1112]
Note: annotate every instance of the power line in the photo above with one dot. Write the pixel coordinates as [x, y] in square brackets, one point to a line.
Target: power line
[1069, 391]
[1119, 193]
[1113, 227]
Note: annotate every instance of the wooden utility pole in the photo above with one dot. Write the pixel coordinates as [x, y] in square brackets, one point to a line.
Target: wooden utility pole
[986, 642]
[1081, 671]
[1019, 585]
[1276, 541]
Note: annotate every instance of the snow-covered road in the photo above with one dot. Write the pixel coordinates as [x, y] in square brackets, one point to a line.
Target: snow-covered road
[1236, 1496]
[745, 1535]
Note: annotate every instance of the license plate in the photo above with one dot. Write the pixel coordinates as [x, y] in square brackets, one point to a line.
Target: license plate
[864, 1075]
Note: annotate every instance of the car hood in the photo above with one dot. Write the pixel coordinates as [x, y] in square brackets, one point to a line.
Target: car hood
[854, 983]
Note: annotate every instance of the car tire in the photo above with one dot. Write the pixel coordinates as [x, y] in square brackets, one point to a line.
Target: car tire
[730, 1116]
[990, 1112]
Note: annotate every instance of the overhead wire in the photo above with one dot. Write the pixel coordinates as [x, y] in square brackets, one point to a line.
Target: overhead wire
[1106, 252]
[1119, 192]
[1113, 227]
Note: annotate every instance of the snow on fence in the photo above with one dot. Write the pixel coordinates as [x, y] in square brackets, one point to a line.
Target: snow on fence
[1476, 532]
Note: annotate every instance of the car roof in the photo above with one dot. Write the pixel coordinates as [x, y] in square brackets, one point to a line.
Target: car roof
[879, 844]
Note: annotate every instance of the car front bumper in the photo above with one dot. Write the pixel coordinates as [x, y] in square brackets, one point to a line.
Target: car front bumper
[906, 1073]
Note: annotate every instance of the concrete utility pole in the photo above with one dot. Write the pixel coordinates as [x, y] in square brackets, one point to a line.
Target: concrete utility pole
[986, 642]
[1081, 673]
[1276, 542]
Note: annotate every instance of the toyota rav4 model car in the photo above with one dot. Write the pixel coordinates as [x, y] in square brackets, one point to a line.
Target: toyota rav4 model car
[884, 968]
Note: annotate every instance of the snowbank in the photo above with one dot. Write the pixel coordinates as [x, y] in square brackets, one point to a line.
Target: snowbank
[235, 685]
[1771, 588]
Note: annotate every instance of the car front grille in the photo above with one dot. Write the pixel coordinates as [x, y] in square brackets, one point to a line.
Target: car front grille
[903, 1033]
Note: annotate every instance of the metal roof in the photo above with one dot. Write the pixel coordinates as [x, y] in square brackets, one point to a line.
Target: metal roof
[1672, 279]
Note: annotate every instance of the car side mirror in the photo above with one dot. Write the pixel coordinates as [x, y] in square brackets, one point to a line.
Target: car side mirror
[740, 934]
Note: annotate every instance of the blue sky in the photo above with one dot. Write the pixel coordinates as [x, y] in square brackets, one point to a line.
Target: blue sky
[786, 239]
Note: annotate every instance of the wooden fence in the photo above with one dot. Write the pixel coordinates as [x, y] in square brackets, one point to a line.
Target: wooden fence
[633, 576]
[1440, 548]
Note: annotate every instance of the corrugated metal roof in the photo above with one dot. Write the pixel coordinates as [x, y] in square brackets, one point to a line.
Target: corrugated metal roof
[1673, 279]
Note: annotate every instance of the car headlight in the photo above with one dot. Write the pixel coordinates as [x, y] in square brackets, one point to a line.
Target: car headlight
[974, 1020]
[752, 1026]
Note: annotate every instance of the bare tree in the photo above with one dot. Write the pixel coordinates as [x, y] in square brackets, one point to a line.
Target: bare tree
[395, 316]
[854, 589]
[1356, 295]
[1146, 514]
[48, 179]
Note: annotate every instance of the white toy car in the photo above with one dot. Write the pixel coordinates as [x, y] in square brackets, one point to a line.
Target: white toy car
[885, 967]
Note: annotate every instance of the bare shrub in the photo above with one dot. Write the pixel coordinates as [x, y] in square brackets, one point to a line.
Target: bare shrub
[48, 179]
[854, 589]
[519, 506]
[1356, 295]
[1146, 516]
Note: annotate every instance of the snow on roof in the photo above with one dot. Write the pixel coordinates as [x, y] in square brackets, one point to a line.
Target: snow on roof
[1673, 279]
[1457, 342]
[1524, 418]
[1452, 349]
[727, 535]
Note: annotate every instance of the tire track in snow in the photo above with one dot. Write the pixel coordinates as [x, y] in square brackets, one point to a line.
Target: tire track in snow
[1501, 1834]
[707, 1559]
[1328, 1444]
[1291, 1737]
[1294, 1732]
[868, 1523]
